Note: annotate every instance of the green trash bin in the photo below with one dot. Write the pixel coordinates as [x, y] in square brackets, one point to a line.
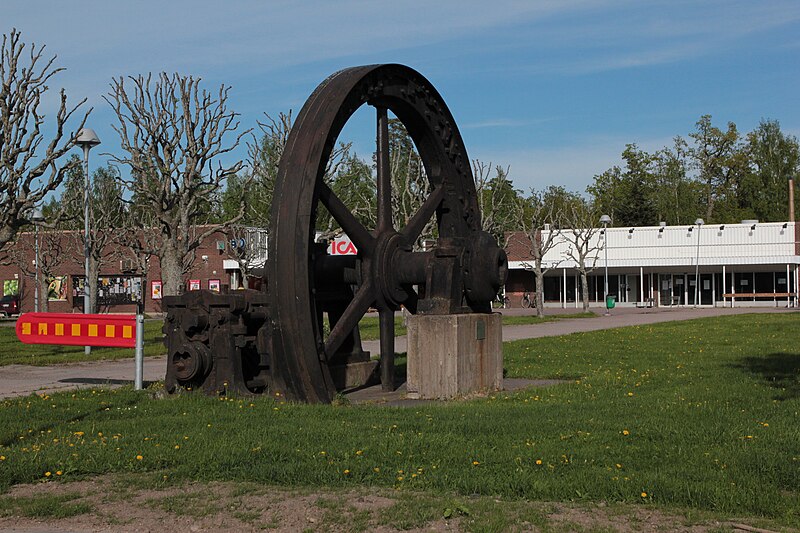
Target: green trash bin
[611, 301]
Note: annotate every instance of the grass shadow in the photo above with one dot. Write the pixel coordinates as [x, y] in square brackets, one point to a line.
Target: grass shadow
[779, 370]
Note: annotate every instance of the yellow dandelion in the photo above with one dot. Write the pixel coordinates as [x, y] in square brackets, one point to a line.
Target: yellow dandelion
[47, 474]
[79, 433]
[177, 447]
[618, 465]
[644, 495]
[400, 478]
[376, 469]
[538, 461]
[346, 472]
[139, 457]
[359, 452]
[2, 457]
[630, 394]
[59, 472]
[626, 432]
[475, 463]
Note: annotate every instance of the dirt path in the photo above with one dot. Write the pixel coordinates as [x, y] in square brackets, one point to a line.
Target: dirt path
[128, 504]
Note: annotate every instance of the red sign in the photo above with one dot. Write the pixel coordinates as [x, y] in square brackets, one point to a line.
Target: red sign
[342, 247]
[77, 330]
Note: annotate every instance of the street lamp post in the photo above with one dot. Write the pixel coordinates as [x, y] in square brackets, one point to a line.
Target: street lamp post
[699, 222]
[37, 218]
[87, 139]
[605, 220]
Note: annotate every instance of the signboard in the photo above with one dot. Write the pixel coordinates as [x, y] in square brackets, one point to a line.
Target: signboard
[213, 285]
[111, 290]
[342, 246]
[10, 287]
[57, 288]
[194, 284]
[155, 290]
[77, 329]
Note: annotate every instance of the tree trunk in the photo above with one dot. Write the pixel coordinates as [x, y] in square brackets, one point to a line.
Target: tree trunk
[171, 271]
[537, 271]
[43, 286]
[243, 272]
[584, 291]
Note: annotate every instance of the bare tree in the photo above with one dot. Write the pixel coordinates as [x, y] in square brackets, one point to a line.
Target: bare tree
[52, 254]
[174, 134]
[539, 220]
[583, 248]
[29, 167]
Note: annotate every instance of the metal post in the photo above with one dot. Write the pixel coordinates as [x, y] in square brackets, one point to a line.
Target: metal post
[605, 220]
[138, 381]
[86, 148]
[86, 139]
[699, 223]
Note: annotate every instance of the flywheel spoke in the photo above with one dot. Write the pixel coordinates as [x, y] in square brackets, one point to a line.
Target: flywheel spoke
[417, 223]
[350, 224]
[384, 173]
[349, 320]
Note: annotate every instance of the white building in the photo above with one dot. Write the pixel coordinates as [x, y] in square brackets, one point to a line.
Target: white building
[750, 263]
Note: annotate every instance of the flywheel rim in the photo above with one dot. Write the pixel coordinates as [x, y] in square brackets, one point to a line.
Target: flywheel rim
[299, 358]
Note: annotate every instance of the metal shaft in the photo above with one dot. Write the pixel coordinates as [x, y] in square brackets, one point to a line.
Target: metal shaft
[384, 173]
[386, 317]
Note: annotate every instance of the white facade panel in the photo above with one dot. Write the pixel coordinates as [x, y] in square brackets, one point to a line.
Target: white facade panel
[729, 244]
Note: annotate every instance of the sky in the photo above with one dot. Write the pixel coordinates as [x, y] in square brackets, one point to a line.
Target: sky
[553, 89]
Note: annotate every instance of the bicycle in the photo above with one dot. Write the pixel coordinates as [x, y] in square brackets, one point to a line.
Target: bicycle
[526, 300]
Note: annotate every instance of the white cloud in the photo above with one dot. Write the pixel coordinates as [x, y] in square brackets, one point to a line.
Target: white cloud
[571, 166]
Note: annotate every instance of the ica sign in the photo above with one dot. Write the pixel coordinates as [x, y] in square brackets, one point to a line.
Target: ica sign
[342, 246]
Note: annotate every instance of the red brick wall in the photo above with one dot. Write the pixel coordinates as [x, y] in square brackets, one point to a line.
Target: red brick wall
[73, 265]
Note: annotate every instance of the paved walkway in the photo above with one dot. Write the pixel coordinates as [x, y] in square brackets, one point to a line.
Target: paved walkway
[21, 380]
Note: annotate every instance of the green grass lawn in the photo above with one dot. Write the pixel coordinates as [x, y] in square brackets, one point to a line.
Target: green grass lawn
[701, 414]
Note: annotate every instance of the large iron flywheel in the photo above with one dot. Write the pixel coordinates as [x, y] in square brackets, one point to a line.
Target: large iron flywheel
[461, 273]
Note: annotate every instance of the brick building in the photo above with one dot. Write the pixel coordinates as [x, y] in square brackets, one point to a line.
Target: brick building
[122, 282]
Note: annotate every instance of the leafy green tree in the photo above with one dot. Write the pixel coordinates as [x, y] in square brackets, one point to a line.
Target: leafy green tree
[773, 158]
[107, 215]
[677, 195]
[499, 202]
[721, 163]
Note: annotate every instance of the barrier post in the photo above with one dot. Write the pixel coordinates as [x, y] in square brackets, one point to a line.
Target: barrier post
[138, 381]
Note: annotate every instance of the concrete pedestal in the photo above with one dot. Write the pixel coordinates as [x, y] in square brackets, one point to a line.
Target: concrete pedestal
[454, 355]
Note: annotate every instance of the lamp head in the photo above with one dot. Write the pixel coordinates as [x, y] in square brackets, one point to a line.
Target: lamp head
[699, 222]
[605, 219]
[37, 216]
[87, 138]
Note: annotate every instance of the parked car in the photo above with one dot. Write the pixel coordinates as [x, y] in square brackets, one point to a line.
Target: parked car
[9, 305]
